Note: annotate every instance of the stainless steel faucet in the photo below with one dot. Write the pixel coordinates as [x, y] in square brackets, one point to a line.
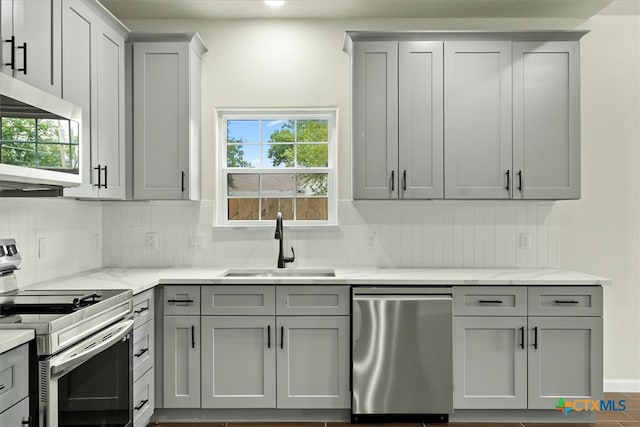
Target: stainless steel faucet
[282, 260]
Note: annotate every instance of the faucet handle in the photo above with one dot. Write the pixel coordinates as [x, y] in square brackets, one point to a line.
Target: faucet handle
[292, 258]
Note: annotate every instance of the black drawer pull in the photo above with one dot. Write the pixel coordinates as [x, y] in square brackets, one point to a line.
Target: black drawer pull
[143, 351]
[561, 301]
[522, 337]
[26, 422]
[186, 301]
[143, 309]
[1, 386]
[490, 301]
[141, 405]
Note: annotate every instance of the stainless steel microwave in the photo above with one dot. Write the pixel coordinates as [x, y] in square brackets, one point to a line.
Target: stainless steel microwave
[40, 144]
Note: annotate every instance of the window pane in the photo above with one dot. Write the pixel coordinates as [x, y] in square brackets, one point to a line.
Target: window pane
[243, 155]
[313, 130]
[243, 209]
[316, 208]
[312, 184]
[270, 207]
[54, 156]
[278, 156]
[243, 184]
[18, 153]
[50, 130]
[278, 131]
[243, 130]
[18, 129]
[277, 185]
[313, 155]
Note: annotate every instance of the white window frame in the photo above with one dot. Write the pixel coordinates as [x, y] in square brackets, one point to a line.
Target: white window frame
[223, 115]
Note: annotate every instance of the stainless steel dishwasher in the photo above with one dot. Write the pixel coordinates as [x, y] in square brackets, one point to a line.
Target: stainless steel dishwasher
[401, 353]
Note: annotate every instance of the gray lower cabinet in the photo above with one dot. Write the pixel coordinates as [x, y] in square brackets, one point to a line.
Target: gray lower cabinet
[17, 415]
[181, 361]
[143, 358]
[14, 386]
[525, 347]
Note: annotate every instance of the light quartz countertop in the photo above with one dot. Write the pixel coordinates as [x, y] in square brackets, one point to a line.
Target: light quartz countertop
[12, 338]
[139, 279]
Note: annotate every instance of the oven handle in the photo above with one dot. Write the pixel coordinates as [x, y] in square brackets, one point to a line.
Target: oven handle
[121, 329]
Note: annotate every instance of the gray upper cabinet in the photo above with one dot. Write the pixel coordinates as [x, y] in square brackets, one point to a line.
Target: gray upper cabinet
[546, 119]
[31, 46]
[477, 120]
[397, 127]
[93, 78]
[166, 107]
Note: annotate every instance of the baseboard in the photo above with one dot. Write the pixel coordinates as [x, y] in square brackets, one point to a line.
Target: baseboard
[621, 386]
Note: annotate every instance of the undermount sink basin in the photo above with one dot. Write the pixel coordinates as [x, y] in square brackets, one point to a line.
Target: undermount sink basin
[280, 273]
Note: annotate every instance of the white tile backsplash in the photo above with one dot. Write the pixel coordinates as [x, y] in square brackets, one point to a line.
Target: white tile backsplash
[385, 234]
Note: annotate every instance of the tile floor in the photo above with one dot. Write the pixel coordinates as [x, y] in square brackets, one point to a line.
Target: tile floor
[628, 418]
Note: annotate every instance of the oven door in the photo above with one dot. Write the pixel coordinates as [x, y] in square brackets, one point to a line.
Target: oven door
[90, 384]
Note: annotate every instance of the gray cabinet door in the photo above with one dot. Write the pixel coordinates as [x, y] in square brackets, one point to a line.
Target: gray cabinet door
[375, 120]
[161, 126]
[17, 415]
[313, 362]
[546, 120]
[181, 370]
[238, 362]
[477, 120]
[565, 359]
[490, 363]
[420, 120]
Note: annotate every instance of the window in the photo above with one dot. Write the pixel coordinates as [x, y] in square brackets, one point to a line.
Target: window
[277, 162]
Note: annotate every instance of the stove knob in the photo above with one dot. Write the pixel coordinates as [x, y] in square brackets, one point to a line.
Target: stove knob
[2, 252]
[12, 250]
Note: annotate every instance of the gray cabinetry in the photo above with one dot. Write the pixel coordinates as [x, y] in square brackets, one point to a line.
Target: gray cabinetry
[477, 120]
[143, 358]
[33, 52]
[14, 383]
[397, 120]
[523, 348]
[93, 78]
[165, 72]
[181, 347]
[546, 119]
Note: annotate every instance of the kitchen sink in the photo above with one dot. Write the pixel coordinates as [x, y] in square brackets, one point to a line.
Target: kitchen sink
[293, 272]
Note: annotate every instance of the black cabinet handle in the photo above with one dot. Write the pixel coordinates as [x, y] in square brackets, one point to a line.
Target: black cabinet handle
[490, 301]
[12, 40]
[508, 181]
[141, 405]
[522, 337]
[560, 301]
[143, 309]
[404, 180]
[1, 386]
[182, 181]
[99, 169]
[193, 337]
[24, 58]
[393, 180]
[26, 422]
[105, 176]
[143, 351]
[180, 300]
[519, 180]
[535, 337]
[268, 336]
[281, 336]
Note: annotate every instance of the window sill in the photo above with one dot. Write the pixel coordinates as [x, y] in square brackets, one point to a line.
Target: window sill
[297, 227]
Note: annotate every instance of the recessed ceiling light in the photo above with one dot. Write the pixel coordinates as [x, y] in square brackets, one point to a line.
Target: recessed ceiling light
[274, 3]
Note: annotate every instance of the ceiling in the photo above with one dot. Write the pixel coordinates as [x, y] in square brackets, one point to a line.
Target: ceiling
[354, 9]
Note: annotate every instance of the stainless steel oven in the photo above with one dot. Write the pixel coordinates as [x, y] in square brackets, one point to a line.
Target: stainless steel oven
[89, 383]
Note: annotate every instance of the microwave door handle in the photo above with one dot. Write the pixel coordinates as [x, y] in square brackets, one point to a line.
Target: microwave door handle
[83, 356]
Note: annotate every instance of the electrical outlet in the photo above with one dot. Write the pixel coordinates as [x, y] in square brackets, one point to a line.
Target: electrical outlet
[96, 242]
[151, 240]
[42, 247]
[525, 240]
[372, 240]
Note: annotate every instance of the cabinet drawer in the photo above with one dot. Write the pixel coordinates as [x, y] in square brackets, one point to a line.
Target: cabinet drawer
[565, 301]
[182, 300]
[489, 301]
[143, 349]
[14, 374]
[143, 399]
[312, 300]
[15, 415]
[143, 310]
[238, 300]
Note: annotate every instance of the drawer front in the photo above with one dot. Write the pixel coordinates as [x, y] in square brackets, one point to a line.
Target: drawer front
[565, 301]
[15, 415]
[143, 310]
[182, 300]
[489, 301]
[312, 300]
[14, 372]
[143, 349]
[143, 399]
[238, 300]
